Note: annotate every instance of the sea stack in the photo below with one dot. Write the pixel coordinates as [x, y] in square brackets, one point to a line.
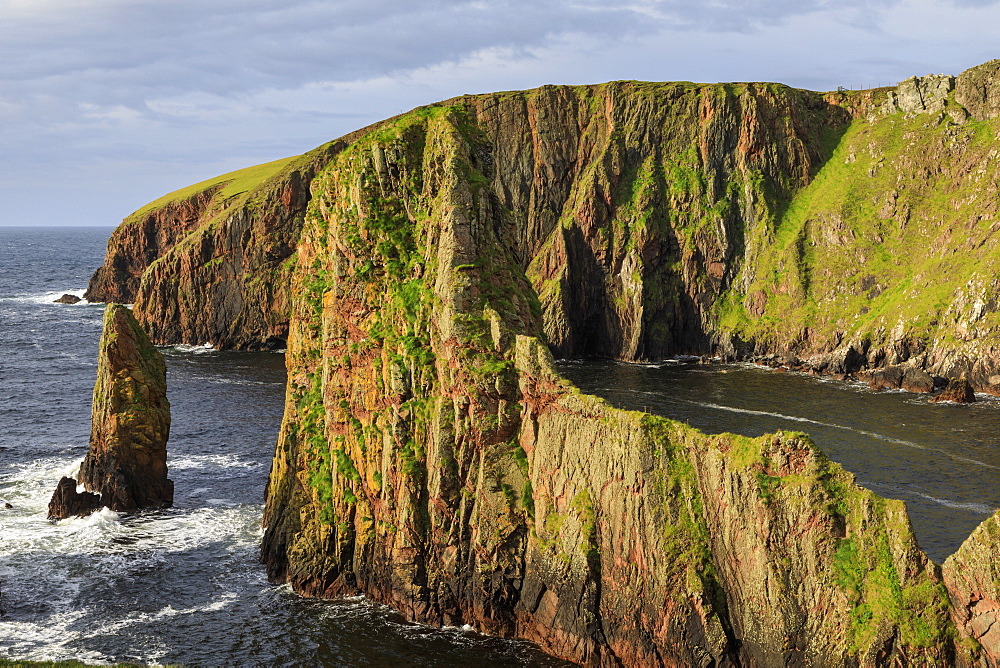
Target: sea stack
[130, 422]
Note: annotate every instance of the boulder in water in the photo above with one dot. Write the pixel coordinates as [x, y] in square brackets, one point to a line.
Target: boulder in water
[889, 378]
[67, 502]
[918, 380]
[958, 390]
[68, 299]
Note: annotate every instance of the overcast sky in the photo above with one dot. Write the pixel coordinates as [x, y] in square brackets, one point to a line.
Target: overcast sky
[108, 104]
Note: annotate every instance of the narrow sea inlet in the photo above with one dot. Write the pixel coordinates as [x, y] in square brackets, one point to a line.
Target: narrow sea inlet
[941, 459]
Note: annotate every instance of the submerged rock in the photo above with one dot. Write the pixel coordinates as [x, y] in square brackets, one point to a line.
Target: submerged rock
[127, 461]
[68, 299]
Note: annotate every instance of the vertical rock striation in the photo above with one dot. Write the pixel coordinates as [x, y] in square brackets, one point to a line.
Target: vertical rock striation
[126, 466]
[657, 219]
[210, 263]
[973, 578]
[431, 458]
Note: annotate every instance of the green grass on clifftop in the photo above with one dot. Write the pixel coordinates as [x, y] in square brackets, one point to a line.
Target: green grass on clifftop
[235, 183]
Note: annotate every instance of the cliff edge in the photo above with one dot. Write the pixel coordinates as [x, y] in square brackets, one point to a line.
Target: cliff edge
[429, 456]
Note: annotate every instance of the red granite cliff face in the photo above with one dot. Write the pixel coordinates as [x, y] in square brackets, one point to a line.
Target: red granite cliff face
[633, 206]
[137, 244]
[212, 266]
[430, 458]
[658, 219]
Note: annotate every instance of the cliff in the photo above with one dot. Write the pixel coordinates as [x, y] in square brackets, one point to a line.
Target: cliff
[126, 466]
[657, 219]
[887, 256]
[430, 457]
[973, 578]
[210, 263]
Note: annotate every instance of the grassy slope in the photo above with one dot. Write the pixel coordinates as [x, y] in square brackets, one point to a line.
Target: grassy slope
[886, 237]
[236, 183]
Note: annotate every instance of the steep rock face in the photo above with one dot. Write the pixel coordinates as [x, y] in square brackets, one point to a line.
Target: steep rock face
[656, 219]
[211, 263]
[973, 578]
[978, 90]
[431, 458]
[140, 240]
[127, 460]
[633, 206]
[887, 255]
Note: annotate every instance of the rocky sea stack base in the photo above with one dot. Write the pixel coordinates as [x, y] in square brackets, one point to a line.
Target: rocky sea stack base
[126, 466]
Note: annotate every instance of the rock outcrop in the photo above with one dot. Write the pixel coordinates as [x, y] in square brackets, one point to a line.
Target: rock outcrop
[957, 391]
[68, 299]
[978, 90]
[658, 219]
[973, 578]
[901, 377]
[68, 502]
[431, 458]
[126, 465]
[918, 95]
[210, 263]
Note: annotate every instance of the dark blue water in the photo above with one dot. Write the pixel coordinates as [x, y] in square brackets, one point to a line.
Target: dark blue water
[176, 586]
[943, 460]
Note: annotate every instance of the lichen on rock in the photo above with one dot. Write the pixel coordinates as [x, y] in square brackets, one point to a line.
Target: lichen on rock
[431, 458]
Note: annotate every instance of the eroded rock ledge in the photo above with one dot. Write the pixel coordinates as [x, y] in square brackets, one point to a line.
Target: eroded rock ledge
[126, 466]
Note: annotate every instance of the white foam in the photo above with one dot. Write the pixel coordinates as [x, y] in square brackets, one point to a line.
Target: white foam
[747, 411]
[49, 298]
[49, 639]
[980, 508]
[214, 463]
[190, 348]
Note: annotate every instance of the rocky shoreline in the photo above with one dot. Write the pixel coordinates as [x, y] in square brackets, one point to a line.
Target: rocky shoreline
[430, 457]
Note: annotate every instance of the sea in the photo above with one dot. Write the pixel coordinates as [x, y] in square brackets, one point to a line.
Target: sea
[184, 586]
[175, 586]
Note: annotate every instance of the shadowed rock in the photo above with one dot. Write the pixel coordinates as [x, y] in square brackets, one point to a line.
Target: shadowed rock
[972, 576]
[68, 299]
[897, 377]
[958, 390]
[127, 461]
[67, 502]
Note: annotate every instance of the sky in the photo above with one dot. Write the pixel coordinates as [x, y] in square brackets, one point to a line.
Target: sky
[108, 104]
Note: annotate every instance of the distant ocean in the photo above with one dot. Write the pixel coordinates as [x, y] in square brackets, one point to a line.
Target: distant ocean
[181, 585]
